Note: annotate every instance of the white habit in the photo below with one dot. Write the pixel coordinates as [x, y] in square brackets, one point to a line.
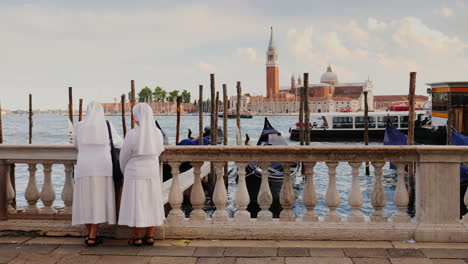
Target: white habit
[93, 196]
[141, 203]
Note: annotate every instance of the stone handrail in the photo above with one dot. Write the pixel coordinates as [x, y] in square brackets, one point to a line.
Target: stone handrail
[437, 192]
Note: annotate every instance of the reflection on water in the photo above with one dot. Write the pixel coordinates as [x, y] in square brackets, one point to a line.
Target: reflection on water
[53, 129]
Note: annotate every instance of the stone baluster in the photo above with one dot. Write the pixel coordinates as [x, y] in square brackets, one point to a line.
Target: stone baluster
[197, 196]
[378, 198]
[175, 195]
[401, 198]
[10, 193]
[32, 192]
[355, 199]
[242, 195]
[67, 191]
[310, 195]
[287, 196]
[465, 201]
[332, 197]
[47, 191]
[264, 198]
[220, 194]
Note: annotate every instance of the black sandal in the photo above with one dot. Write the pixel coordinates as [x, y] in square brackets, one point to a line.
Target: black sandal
[148, 243]
[132, 242]
[96, 242]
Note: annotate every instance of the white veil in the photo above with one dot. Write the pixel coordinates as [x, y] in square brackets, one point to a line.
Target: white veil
[93, 130]
[149, 136]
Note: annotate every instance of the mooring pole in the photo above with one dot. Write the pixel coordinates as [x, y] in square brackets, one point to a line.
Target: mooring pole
[306, 109]
[179, 100]
[30, 119]
[238, 108]
[80, 110]
[216, 118]
[122, 107]
[1, 126]
[213, 106]
[70, 104]
[132, 103]
[301, 117]
[200, 113]
[411, 123]
[366, 128]
[225, 128]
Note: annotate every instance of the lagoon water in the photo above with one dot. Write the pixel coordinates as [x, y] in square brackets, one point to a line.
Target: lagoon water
[53, 129]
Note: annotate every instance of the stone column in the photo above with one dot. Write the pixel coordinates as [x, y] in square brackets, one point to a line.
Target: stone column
[264, 199]
[242, 195]
[310, 195]
[220, 195]
[32, 192]
[67, 191]
[197, 196]
[175, 195]
[287, 196]
[355, 199]
[47, 191]
[332, 197]
[4, 174]
[10, 191]
[400, 197]
[378, 198]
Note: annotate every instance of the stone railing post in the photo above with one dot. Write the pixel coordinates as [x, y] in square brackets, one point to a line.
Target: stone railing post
[175, 195]
[4, 174]
[438, 197]
[310, 195]
[242, 195]
[378, 198]
[47, 191]
[220, 194]
[10, 192]
[197, 196]
[32, 192]
[67, 191]
[401, 198]
[355, 199]
[287, 196]
[332, 197]
[264, 199]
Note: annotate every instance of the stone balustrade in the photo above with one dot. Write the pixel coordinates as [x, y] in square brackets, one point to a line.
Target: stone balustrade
[437, 191]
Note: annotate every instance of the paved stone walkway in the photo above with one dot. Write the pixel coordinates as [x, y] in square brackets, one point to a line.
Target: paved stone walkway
[46, 250]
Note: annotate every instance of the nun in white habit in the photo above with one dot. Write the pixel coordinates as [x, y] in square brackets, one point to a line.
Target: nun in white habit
[93, 197]
[141, 204]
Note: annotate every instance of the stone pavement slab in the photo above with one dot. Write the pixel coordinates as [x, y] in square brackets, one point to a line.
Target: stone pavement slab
[293, 252]
[250, 252]
[448, 261]
[55, 240]
[314, 260]
[209, 252]
[326, 252]
[371, 261]
[397, 244]
[167, 251]
[35, 258]
[69, 249]
[29, 249]
[79, 259]
[365, 253]
[274, 260]
[124, 260]
[111, 250]
[410, 261]
[16, 240]
[334, 244]
[446, 253]
[405, 253]
[173, 260]
[5, 257]
[216, 260]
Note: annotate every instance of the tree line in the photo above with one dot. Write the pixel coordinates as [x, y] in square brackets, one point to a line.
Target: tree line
[147, 95]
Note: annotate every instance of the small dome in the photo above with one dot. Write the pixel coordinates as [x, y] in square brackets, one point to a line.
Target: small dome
[329, 77]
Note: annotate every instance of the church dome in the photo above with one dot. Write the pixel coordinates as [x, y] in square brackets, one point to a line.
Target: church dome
[329, 77]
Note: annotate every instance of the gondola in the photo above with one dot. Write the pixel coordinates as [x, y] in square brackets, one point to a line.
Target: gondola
[268, 137]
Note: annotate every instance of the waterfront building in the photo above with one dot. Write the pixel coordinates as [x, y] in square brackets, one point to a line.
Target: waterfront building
[158, 107]
[383, 102]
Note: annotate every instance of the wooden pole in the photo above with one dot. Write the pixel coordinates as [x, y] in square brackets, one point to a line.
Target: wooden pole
[200, 113]
[122, 105]
[411, 120]
[366, 127]
[449, 117]
[216, 117]
[132, 102]
[225, 115]
[70, 104]
[212, 109]
[179, 100]
[238, 108]
[301, 118]
[306, 109]
[30, 119]
[1, 125]
[80, 110]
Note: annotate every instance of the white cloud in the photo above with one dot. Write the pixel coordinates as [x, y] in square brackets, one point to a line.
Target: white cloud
[374, 24]
[206, 66]
[446, 12]
[249, 52]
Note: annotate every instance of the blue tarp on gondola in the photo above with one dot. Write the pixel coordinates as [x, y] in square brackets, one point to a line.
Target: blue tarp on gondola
[195, 142]
[458, 139]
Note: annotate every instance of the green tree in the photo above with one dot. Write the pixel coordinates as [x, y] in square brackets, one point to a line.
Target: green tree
[159, 94]
[145, 95]
[185, 96]
[173, 96]
[246, 94]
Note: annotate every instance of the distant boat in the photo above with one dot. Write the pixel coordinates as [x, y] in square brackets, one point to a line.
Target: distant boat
[232, 115]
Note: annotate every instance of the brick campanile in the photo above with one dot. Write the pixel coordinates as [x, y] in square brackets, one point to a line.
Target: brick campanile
[272, 69]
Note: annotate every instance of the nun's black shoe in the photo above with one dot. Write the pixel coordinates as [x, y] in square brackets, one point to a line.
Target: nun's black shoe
[148, 243]
[133, 242]
[96, 242]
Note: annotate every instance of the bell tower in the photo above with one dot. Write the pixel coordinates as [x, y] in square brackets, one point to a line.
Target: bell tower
[272, 68]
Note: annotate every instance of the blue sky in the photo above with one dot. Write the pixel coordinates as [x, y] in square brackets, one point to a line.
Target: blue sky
[99, 46]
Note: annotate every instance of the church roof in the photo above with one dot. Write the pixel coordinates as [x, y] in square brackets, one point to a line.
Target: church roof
[272, 42]
[329, 76]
